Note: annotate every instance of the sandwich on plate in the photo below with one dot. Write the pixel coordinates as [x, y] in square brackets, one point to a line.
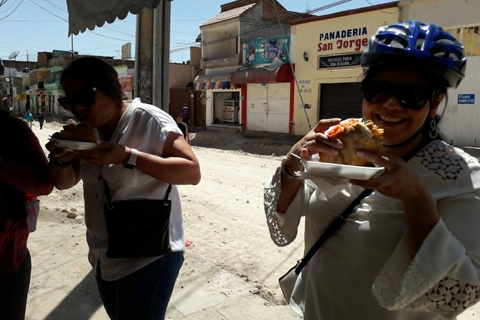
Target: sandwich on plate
[355, 134]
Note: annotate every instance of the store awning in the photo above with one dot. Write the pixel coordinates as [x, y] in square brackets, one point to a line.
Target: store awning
[210, 82]
[83, 14]
[268, 74]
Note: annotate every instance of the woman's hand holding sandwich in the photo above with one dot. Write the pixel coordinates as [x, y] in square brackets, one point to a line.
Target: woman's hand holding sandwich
[396, 182]
[314, 142]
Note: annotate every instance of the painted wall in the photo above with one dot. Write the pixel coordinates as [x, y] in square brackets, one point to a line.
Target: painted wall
[180, 75]
[462, 116]
[253, 20]
[447, 13]
[345, 35]
[223, 32]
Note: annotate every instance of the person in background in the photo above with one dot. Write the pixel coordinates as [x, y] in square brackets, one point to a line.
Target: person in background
[40, 118]
[411, 248]
[23, 177]
[29, 118]
[184, 127]
[186, 114]
[6, 105]
[142, 154]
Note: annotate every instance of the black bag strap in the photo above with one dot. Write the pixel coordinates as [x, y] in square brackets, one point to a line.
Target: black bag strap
[338, 222]
[334, 226]
[108, 193]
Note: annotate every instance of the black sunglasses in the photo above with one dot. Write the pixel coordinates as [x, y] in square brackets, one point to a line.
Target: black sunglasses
[85, 98]
[410, 96]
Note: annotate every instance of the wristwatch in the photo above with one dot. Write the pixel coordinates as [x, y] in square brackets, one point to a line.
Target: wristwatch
[132, 159]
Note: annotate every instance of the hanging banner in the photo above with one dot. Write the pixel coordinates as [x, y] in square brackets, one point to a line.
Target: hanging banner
[339, 61]
[265, 50]
[61, 53]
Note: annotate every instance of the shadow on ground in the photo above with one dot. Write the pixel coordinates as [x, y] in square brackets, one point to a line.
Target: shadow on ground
[262, 143]
[81, 303]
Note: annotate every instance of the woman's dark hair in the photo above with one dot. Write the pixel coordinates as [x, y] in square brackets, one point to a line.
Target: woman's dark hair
[95, 72]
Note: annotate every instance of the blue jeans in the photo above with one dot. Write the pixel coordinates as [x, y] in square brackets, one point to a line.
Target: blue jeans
[14, 292]
[144, 294]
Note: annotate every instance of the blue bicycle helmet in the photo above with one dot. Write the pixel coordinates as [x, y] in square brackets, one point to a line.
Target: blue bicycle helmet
[421, 44]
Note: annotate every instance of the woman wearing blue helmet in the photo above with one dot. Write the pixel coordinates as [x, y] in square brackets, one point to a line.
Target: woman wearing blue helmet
[410, 248]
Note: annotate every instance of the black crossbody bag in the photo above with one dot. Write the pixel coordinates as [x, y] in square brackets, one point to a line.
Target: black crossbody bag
[137, 228]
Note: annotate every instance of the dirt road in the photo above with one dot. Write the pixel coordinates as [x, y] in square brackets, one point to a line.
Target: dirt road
[231, 268]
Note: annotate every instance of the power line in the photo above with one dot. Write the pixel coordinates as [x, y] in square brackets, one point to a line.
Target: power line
[271, 24]
[293, 70]
[113, 29]
[29, 21]
[184, 32]
[373, 4]
[67, 22]
[63, 9]
[12, 4]
[8, 15]
[101, 35]
[48, 11]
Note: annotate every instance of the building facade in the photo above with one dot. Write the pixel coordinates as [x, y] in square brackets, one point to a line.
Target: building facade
[326, 51]
[459, 124]
[223, 38]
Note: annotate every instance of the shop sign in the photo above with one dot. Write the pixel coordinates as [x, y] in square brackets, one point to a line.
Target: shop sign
[466, 98]
[126, 83]
[351, 39]
[339, 61]
[60, 53]
[265, 50]
[305, 86]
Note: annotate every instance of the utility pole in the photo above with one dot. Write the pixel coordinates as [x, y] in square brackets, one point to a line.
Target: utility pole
[73, 52]
[152, 55]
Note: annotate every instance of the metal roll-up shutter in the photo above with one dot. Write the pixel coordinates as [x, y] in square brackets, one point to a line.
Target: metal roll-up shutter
[341, 100]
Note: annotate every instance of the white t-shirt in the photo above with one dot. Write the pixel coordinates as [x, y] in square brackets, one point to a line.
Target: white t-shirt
[364, 271]
[145, 128]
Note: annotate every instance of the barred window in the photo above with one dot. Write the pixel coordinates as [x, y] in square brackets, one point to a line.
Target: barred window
[469, 36]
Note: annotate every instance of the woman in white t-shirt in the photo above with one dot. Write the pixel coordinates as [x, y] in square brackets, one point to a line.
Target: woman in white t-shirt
[415, 238]
[140, 153]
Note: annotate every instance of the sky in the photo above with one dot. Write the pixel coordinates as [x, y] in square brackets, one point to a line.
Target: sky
[29, 26]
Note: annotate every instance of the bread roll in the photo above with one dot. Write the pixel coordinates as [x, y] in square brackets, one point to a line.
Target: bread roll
[77, 132]
[355, 135]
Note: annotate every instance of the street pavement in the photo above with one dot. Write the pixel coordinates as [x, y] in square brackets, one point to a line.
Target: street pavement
[65, 289]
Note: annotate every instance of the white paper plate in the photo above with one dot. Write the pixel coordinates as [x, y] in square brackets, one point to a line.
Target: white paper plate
[341, 171]
[75, 145]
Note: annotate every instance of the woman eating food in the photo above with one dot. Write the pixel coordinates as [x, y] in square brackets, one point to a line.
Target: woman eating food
[133, 212]
[409, 248]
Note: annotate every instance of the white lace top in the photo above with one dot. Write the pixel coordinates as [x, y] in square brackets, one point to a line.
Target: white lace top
[364, 271]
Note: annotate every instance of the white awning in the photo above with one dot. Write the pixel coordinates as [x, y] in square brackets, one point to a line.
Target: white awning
[218, 81]
[83, 14]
